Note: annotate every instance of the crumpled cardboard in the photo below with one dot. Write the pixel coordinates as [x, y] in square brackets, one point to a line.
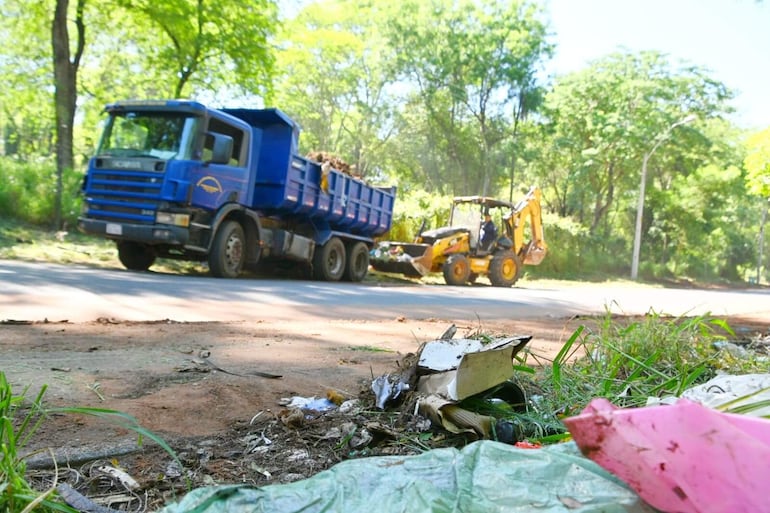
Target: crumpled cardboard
[456, 369]
[452, 370]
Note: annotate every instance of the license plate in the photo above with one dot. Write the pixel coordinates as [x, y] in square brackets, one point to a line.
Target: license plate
[114, 229]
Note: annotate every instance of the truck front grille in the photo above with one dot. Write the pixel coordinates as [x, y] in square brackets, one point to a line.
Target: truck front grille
[131, 196]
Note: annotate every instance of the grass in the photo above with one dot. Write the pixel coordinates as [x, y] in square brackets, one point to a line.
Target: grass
[626, 361]
[630, 362]
[20, 241]
[19, 420]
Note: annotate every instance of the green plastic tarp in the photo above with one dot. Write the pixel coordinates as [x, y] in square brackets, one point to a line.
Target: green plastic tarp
[483, 477]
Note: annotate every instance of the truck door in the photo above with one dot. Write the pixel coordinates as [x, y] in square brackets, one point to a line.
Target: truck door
[218, 183]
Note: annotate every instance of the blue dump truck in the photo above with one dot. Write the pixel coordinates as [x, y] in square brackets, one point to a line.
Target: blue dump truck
[175, 179]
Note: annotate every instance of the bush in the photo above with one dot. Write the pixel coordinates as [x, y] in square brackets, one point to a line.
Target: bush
[28, 192]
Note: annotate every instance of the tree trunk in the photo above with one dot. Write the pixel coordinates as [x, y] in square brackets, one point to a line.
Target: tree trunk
[65, 69]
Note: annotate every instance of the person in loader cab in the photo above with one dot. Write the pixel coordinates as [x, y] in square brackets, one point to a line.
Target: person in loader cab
[488, 233]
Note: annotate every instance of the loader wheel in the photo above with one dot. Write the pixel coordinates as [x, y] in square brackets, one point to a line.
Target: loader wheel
[135, 256]
[228, 253]
[504, 269]
[356, 262]
[329, 261]
[456, 270]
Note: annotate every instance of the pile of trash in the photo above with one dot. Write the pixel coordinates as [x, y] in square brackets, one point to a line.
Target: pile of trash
[677, 455]
[707, 451]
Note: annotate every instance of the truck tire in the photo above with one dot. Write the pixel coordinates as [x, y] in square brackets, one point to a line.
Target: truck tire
[356, 262]
[329, 261]
[504, 269]
[228, 253]
[457, 270]
[135, 256]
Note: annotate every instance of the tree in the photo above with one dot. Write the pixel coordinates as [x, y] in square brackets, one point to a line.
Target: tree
[757, 164]
[213, 45]
[333, 77]
[65, 70]
[604, 119]
[472, 63]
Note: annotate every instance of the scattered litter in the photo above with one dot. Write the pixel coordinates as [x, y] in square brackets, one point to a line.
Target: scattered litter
[96, 387]
[256, 468]
[349, 406]
[360, 439]
[61, 369]
[335, 397]
[128, 482]
[748, 394]
[455, 419]
[293, 418]
[298, 455]
[387, 388]
[733, 349]
[173, 470]
[254, 442]
[317, 404]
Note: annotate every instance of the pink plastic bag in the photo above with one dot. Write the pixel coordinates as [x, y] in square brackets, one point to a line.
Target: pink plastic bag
[682, 458]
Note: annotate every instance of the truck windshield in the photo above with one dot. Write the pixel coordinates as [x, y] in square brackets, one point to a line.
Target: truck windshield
[158, 135]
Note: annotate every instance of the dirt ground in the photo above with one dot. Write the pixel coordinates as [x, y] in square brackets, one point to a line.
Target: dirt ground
[208, 389]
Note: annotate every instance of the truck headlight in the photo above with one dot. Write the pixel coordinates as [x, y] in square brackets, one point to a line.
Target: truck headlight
[173, 219]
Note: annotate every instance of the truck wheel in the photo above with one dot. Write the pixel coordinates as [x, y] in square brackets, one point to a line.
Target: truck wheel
[228, 252]
[329, 261]
[504, 269]
[457, 270]
[135, 256]
[356, 262]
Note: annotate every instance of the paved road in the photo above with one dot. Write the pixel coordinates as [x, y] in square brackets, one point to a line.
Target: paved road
[38, 291]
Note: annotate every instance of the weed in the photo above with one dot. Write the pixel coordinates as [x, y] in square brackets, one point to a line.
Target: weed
[19, 420]
[629, 363]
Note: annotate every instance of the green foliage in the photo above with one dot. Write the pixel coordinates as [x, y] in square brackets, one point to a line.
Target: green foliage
[27, 192]
[473, 64]
[210, 45]
[333, 77]
[412, 209]
[606, 118]
[17, 425]
[757, 163]
[629, 363]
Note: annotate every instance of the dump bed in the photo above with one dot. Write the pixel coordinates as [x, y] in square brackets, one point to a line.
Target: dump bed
[288, 185]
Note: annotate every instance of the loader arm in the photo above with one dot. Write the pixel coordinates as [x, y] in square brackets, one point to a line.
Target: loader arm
[528, 211]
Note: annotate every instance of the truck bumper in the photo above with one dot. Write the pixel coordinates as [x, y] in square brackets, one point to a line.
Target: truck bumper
[144, 233]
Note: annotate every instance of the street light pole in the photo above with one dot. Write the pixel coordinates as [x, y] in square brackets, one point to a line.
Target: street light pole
[642, 183]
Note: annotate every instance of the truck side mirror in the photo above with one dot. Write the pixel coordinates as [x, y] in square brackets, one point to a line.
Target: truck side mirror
[221, 147]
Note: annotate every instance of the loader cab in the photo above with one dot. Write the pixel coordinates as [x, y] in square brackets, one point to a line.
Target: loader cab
[465, 216]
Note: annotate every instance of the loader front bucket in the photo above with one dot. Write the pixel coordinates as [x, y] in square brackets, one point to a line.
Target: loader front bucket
[534, 255]
[413, 260]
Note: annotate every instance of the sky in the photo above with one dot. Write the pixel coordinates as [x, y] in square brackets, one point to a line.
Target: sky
[730, 38]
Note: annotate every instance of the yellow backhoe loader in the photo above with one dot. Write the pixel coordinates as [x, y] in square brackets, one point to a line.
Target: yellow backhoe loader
[456, 250]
